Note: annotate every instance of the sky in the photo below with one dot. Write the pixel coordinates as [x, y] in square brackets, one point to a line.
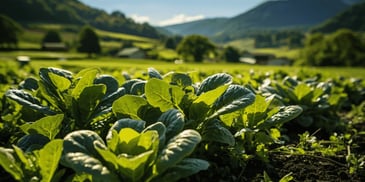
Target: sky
[168, 12]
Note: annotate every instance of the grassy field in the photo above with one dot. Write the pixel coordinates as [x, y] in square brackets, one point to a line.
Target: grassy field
[280, 52]
[131, 65]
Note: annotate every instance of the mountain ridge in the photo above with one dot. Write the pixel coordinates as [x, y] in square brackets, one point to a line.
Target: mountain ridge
[270, 15]
[349, 19]
[73, 12]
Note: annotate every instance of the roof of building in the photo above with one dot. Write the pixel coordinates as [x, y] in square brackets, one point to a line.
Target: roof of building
[128, 51]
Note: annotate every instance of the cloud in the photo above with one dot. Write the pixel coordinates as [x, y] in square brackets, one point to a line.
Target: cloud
[180, 18]
[140, 19]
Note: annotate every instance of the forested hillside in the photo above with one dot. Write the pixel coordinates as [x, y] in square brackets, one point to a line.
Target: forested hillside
[270, 15]
[73, 12]
[352, 18]
[207, 27]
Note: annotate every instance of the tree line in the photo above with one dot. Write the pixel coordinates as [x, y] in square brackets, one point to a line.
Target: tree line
[341, 48]
[9, 30]
[73, 12]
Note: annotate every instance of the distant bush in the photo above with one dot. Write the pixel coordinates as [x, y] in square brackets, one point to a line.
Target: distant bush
[89, 41]
[9, 30]
[195, 47]
[52, 36]
[231, 54]
[341, 48]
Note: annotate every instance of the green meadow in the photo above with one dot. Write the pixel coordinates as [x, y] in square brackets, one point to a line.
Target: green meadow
[107, 64]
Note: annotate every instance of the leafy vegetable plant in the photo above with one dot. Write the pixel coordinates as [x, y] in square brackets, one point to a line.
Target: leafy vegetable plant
[201, 104]
[134, 152]
[318, 100]
[38, 165]
[85, 99]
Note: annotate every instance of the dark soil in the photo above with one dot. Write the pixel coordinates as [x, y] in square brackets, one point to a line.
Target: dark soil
[312, 168]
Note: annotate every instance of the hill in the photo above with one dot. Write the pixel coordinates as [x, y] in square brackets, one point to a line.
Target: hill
[207, 27]
[270, 15]
[351, 18]
[73, 12]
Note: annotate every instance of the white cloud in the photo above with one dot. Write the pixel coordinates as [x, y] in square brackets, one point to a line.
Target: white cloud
[140, 19]
[180, 18]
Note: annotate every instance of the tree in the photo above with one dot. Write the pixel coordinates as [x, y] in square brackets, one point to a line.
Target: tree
[9, 31]
[172, 42]
[342, 48]
[89, 41]
[231, 54]
[52, 36]
[195, 47]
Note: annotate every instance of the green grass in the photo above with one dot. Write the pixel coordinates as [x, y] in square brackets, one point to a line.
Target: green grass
[280, 52]
[168, 54]
[123, 36]
[242, 44]
[115, 64]
[41, 54]
[33, 35]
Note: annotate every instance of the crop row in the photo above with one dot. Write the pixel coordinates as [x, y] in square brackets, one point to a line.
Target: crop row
[167, 127]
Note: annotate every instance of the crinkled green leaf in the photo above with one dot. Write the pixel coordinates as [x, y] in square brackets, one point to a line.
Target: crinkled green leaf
[52, 96]
[53, 82]
[234, 98]
[153, 73]
[213, 82]
[138, 88]
[185, 168]
[27, 100]
[137, 125]
[291, 82]
[32, 142]
[158, 94]
[134, 167]
[25, 162]
[161, 130]
[9, 163]
[109, 99]
[302, 90]
[29, 84]
[85, 78]
[200, 107]
[133, 143]
[79, 153]
[49, 157]
[129, 105]
[129, 84]
[89, 99]
[285, 114]
[111, 83]
[257, 111]
[83, 163]
[177, 149]
[48, 126]
[137, 152]
[214, 131]
[43, 72]
[81, 141]
[174, 121]
[179, 79]
[61, 83]
[177, 95]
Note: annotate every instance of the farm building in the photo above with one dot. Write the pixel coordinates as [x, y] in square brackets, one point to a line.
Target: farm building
[131, 52]
[264, 59]
[54, 46]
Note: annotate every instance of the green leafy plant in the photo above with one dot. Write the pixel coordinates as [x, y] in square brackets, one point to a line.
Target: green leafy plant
[259, 125]
[318, 100]
[38, 165]
[85, 99]
[134, 152]
[200, 104]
